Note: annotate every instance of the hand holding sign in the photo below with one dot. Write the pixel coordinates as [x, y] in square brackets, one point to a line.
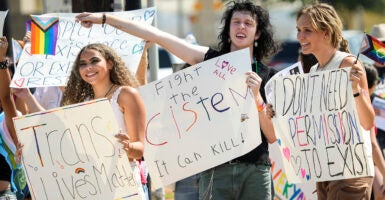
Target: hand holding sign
[320, 134]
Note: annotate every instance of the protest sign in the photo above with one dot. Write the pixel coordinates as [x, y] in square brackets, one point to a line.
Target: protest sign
[3, 15]
[379, 107]
[35, 70]
[380, 88]
[293, 69]
[200, 117]
[71, 153]
[320, 136]
[283, 189]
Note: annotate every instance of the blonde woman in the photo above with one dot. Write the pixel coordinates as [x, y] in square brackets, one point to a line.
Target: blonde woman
[319, 32]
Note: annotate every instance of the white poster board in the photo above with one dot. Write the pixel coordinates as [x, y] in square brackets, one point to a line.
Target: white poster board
[200, 117]
[320, 137]
[285, 190]
[379, 104]
[293, 69]
[35, 70]
[379, 108]
[71, 153]
[3, 15]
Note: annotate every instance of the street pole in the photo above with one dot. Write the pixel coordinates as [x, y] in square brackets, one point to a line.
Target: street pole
[180, 19]
[153, 51]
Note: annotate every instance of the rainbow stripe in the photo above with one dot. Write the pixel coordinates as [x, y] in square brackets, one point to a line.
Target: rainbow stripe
[373, 49]
[79, 170]
[44, 35]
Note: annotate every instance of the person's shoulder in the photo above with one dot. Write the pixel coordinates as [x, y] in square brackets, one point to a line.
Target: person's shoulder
[129, 97]
[211, 53]
[128, 91]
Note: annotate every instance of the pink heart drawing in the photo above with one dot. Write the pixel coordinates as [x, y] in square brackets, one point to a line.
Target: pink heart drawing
[303, 172]
[286, 153]
[19, 82]
[224, 64]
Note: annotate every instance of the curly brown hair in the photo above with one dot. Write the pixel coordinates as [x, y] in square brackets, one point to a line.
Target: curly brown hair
[77, 90]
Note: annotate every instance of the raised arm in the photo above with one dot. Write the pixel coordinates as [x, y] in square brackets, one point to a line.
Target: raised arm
[26, 96]
[253, 81]
[189, 53]
[141, 72]
[360, 89]
[135, 119]
[6, 98]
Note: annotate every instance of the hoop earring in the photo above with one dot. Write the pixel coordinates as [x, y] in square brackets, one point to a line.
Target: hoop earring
[255, 43]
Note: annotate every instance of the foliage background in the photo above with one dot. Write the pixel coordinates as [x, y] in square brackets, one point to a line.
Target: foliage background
[356, 14]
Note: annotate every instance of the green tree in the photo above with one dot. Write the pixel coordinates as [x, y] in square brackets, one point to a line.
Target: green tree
[370, 5]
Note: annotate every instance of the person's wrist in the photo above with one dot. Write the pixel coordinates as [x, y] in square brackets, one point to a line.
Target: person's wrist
[261, 106]
[104, 19]
[3, 63]
[356, 92]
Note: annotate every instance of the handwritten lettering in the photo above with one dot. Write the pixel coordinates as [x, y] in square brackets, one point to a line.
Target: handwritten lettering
[319, 127]
[299, 93]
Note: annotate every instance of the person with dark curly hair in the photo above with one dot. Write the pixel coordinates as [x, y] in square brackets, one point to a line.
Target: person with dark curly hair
[245, 25]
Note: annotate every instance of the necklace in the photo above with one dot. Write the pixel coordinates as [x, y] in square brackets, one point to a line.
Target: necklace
[323, 67]
[109, 90]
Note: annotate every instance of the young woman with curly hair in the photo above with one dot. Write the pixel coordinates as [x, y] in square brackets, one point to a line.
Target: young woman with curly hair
[98, 72]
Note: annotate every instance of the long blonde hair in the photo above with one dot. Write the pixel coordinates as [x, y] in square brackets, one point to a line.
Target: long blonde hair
[77, 90]
[324, 17]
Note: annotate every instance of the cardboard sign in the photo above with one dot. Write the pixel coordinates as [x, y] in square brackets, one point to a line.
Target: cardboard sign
[200, 117]
[34, 70]
[71, 153]
[320, 136]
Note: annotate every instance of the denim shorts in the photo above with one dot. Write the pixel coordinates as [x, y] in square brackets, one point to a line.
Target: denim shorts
[239, 181]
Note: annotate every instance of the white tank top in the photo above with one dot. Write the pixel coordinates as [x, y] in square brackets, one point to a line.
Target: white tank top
[122, 126]
[334, 63]
[117, 110]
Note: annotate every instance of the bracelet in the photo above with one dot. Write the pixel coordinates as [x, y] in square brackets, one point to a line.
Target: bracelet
[261, 107]
[357, 93]
[104, 18]
[4, 64]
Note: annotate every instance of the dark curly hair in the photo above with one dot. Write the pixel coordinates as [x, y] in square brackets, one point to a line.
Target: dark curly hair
[77, 90]
[266, 44]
